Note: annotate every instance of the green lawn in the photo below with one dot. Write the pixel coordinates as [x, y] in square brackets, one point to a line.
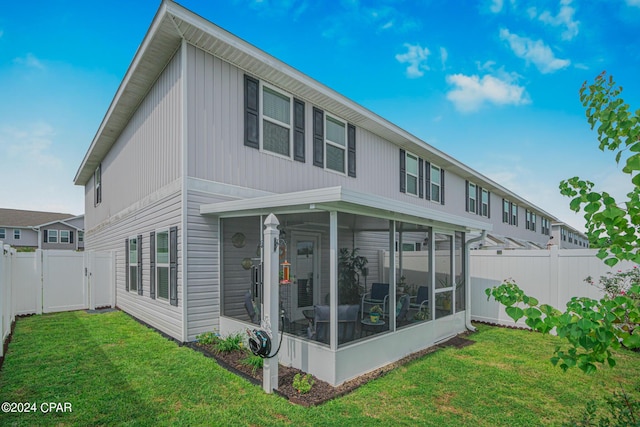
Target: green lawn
[114, 371]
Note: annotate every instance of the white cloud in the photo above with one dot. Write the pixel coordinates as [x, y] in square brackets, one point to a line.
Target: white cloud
[635, 3]
[30, 61]
[444, 55]
[471, 92]
[536, 52]
[416, 57]
[496, 6]
[564, 18]
[30, 145]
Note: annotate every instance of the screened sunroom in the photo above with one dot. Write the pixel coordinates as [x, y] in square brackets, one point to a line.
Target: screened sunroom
[395, 274]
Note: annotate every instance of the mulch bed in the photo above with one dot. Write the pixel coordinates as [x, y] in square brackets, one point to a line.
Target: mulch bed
[321, 391]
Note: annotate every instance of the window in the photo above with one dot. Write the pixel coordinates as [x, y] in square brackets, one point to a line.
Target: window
[97, 181]
[162, 264]
[563, 234]
[16, 234]
[436, 183]
[531, 220]
[412, 174]
[132, 274]
[472, 197]
[3, 233]
[335, 144]
[276, 122]
[80, 236]
[485, 203]
[514, 214]
[505, 210]
[51, 236]
[544, 226]
[64, 236]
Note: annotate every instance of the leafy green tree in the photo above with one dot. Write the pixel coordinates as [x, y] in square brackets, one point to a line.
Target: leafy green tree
[612, 226]
[593, 328]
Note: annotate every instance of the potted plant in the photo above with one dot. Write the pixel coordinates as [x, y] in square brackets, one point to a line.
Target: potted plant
[375, 313]
[350, 265]
[421, 315]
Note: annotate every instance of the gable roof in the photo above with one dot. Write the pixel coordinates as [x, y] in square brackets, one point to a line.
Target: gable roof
[22, 218]
[173, 23]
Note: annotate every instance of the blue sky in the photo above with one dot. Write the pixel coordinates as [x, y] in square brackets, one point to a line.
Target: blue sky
[493, 83]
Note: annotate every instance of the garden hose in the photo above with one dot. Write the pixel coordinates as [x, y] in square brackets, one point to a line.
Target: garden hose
[260, 342]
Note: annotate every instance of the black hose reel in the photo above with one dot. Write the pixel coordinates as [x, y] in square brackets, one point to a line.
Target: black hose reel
[260, 341]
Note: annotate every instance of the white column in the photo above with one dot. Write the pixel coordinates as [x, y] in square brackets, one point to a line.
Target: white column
[271, 307]
[333, 280]
[391, 308]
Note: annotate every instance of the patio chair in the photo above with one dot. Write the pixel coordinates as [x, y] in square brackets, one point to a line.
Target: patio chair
[347, 320]
[421, 299]
[378, 295]
[251, 311]
[403, 308]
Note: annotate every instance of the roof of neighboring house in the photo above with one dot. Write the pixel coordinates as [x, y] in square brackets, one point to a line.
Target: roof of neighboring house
[173, 23]
[21, 218]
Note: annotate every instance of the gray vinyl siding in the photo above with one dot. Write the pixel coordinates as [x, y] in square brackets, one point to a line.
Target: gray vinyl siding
[147, 155]
[203, 272]
[59, 227]
[159, 214]
[28, 237]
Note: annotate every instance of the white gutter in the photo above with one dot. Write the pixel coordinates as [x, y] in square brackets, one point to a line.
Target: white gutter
[467, 274]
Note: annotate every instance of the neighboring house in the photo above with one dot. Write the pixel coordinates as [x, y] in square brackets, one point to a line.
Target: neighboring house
[44, 230]
[207, 135]
[567, 237]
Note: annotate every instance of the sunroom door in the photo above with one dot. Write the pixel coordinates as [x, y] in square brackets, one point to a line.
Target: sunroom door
[305, 265]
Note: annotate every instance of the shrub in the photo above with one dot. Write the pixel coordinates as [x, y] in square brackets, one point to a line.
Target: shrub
[230, 343]
[303, 383]
[255, 362]
[208, 338]
[623, 409]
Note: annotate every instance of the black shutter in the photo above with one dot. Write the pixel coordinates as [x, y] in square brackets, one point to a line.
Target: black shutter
[478, 200]
[442, 186]
[403, 171]
[421, 178]
[466, 195]
[139, 264]
[152, 265]
[173, 266]
[488, 204]
[126, 263]
[298, 130]
[318, 137]
[251, 113]
[351, 156]
[71, 237]
[427, 167]
[46, 236]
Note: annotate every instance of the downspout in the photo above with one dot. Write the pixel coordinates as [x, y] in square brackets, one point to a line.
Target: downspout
[467, 274]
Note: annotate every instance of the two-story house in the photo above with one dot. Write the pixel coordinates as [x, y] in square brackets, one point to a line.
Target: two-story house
[25, 229]
[207, 135]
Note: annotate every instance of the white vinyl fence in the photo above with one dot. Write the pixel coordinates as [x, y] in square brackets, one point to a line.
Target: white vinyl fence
[551, 276]
[48, 281]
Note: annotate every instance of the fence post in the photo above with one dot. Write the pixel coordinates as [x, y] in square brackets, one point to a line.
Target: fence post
[554, 276]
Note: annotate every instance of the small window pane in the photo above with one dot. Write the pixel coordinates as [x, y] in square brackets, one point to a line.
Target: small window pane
[3, 233]
[133, 277]
[162, 247]
[335, 131]
[412, 165]
[335, 158]
[412, 184]
[163, 282]
[276, 138]
[133, 251]
[435, 192]
[276, 106]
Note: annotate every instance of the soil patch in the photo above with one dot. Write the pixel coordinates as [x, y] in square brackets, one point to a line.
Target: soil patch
[321, 391]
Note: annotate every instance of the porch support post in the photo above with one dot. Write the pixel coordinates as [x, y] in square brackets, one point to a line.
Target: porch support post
[271, 316]
[333, 280]
[391, 309]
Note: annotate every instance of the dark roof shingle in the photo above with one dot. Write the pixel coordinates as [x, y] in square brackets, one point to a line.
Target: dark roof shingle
[20, 218]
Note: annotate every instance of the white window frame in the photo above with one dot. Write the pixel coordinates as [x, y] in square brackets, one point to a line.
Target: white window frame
[328, 142]
[52, 236]
[17, 233]
[506, 211]
[3, 233]
[473, 202]
[436, 185]
[277, 122]
[68, 236]
[133, 278]
[160, 265]
[97, 182]
[484, 206]
[408, 174]
[513, 218]
[80, 236]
